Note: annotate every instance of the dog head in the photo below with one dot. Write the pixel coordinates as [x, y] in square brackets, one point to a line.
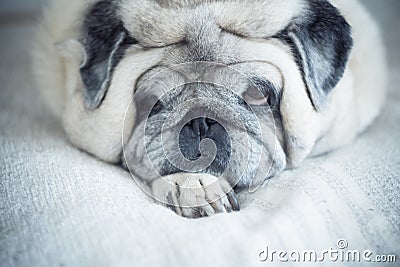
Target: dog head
[234, 89]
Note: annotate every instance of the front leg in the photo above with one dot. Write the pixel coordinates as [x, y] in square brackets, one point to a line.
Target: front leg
[195, 195]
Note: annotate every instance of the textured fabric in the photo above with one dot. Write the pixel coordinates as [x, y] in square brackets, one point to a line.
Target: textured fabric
[61, 207]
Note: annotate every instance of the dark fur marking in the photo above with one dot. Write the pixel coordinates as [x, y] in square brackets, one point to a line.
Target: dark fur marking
[321, 43]
[105, 41]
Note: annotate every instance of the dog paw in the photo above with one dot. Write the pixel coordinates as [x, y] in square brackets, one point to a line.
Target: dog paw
[195, 195]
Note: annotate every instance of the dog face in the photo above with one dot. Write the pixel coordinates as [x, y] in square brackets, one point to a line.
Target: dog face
[215, 102]
[183, 106]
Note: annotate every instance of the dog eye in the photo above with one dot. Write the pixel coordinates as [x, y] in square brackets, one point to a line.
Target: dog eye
[261, 92]
[254, 96]
[158, 106]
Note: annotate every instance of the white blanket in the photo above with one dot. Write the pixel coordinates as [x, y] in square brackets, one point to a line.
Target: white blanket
[59, 206]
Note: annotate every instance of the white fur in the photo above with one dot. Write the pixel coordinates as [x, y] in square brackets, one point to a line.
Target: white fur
[165, 26]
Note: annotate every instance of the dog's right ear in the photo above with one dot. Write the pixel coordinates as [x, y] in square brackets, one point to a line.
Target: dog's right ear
[105, 41]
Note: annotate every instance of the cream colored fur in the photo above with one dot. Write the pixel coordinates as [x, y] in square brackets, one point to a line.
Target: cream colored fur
[352, 105]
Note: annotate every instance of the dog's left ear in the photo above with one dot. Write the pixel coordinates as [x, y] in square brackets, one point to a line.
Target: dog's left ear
[321, 42]
[105, 40]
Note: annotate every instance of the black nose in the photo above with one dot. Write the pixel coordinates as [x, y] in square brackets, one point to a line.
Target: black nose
[198, 129]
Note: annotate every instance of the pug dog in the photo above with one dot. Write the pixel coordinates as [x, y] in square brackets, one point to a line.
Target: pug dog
[200, 99]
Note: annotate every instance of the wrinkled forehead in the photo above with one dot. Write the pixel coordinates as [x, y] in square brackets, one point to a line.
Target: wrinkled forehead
[160, 23]
[208, 79]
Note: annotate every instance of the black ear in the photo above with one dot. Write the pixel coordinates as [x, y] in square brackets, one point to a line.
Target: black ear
[105, 41]
[321, 42]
